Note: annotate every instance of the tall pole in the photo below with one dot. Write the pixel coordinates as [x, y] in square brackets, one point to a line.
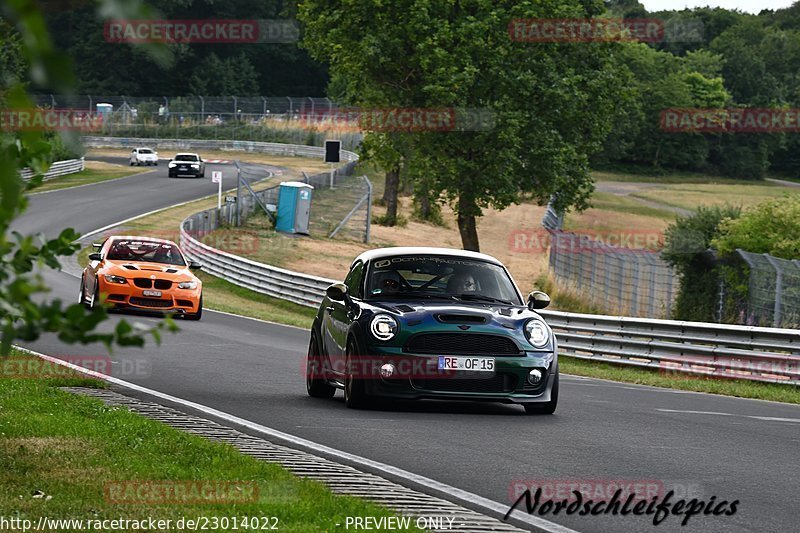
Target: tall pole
[238, 194]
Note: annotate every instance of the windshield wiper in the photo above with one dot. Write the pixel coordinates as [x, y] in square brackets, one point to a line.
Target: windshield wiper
[482, 298]
[412, 294]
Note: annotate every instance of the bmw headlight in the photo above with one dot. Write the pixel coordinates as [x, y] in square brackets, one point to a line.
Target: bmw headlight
[537, 333]
[115, 279]
[187, 285]
[383, 327]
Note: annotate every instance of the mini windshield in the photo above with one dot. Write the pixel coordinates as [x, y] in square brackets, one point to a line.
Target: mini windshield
[142, 250]
[145, 151]
[186, 157]
[440, 277]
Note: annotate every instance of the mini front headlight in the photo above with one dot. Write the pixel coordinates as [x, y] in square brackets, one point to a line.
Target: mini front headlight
[187, 285]
[172, 164]
[537, 333]
[195, 165]
[115, 279]
[383, 327]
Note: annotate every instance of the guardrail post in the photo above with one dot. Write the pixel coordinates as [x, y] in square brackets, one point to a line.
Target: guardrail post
[776, 313]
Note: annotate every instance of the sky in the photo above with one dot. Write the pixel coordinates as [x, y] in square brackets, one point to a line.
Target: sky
[748, 6]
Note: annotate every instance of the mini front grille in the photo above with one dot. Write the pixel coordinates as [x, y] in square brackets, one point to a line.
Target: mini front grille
[162, 284]
[143, 283]
[461, 319]
[461, 343]
[499, 383]
[150, 302]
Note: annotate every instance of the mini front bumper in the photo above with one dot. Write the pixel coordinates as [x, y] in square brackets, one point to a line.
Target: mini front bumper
[418, 377]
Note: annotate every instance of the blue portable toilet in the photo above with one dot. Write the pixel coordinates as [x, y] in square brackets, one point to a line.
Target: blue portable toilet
[104, 110]
[294, 207]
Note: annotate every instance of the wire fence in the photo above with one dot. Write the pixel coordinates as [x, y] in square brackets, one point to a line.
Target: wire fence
[618, 279]
[269, 119]
[772, 291]
[340, 204]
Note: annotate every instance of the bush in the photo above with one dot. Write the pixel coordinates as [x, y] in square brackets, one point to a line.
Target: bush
[771, 227]
[686, 248]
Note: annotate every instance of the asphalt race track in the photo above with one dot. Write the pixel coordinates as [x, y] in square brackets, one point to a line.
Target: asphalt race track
[700, 445]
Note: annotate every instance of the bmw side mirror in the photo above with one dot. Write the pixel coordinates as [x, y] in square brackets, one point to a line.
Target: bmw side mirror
[194, 265]
[96, 257]
[337, 292]
[538, 300]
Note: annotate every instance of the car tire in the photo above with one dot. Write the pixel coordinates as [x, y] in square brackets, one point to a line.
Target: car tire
[316, 385]
[130, 163]
[546, 408]
[91, 304]
[81, 294]
[199, 314]
[355, 396]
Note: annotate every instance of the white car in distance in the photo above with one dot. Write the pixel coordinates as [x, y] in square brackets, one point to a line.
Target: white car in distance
[143, 156]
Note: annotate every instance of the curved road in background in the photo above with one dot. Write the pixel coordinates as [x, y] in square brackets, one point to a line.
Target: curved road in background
[733, 449]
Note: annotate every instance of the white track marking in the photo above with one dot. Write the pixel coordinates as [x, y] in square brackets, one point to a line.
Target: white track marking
[443, 488]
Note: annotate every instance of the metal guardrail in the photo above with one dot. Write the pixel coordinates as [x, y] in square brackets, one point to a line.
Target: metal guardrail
[717, 350]
[223, 145]
[699, 348]
[58, 168]
[299, 288]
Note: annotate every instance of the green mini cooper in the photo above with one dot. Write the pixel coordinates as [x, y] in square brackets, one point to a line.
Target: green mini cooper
[413, 323]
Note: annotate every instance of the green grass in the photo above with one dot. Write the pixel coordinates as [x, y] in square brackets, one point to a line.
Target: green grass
[671, 177]
[628, 206]
[673, 380]
[85, 177]
[59, 452]
[690, 196]
[224, 296]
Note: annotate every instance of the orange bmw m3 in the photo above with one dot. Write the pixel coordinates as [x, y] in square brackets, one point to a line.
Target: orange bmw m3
[142, 273]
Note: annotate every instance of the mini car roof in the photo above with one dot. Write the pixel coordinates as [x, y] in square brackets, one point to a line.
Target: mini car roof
[378, 253]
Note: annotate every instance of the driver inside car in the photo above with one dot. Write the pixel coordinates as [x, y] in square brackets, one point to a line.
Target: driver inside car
[461, 282]
[386, 283]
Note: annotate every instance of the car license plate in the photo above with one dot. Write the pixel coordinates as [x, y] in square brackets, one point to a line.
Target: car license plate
[151, 293]
[474, 364]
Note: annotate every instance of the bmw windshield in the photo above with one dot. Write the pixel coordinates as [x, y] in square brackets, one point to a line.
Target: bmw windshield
[440, 277]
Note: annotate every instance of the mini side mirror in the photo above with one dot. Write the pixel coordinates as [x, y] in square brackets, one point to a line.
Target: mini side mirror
[194, 265]
[538, 300]
[337, 292]
[96, 256]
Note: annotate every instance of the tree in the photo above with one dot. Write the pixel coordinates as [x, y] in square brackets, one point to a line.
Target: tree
[771, 227]
[23, 313]
[551, 101]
